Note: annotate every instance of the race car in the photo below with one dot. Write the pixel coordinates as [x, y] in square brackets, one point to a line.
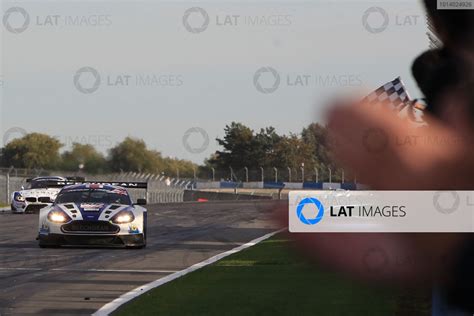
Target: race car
[100, 214]
[39, 192]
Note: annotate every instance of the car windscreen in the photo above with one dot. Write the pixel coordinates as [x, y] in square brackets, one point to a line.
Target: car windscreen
[39, 184]
[94, 196]
[45, 183]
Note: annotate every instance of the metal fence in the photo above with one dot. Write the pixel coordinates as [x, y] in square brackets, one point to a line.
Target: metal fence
[165, 189]
[161, 189]
[274, 174]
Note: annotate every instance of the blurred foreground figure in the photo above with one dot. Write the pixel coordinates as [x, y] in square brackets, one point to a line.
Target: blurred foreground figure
[439, 156]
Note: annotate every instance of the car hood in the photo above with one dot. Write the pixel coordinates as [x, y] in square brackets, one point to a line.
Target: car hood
[92, 211]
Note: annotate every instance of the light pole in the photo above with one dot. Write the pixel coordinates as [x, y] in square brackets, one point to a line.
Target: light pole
[302, 172]
[289, 174]
[330, 175]
[213, 174]
[261, 169]
[7, 184]
[276, 174]
[246, 174]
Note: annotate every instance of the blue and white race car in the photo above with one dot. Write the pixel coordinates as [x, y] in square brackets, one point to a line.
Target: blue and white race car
[94, 214]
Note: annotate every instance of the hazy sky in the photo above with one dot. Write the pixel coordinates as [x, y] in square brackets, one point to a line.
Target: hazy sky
[95, 72]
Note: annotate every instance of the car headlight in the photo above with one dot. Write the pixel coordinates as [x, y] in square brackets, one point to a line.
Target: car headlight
[18, 197]
[123, 217]
[58, 217]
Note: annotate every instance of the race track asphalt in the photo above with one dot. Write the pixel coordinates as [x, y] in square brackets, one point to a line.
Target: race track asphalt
[78, 281]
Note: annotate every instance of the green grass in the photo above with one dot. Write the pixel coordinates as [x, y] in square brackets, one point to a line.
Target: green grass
[270, 279]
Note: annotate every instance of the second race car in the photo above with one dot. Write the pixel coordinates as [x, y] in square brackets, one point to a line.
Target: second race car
[39, 192]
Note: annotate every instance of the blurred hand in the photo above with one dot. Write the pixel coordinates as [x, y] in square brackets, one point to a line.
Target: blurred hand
[389, 153]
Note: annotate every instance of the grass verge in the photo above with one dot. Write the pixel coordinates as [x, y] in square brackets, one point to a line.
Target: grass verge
[270, 279]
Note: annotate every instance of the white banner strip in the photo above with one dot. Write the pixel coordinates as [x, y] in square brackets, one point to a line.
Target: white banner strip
[381, 211]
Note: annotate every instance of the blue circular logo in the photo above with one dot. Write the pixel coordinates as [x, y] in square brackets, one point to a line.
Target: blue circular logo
[310, 221]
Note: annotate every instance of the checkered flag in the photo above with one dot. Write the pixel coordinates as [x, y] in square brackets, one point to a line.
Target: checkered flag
[394, 96]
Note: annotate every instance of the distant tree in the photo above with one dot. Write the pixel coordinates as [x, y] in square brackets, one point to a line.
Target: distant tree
[237, 145]
[318, 137]
[242, 147]
[263, 148]
[32, 151]
[133, 155]
[85, 154]
[172, 165]
[291, 152]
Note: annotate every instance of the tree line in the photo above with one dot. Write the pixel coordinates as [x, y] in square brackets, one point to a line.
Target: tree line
[265, 150]
[41, 151]
[240, 148]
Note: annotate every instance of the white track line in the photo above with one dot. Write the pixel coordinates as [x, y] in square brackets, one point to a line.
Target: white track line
[127, 297]
[20, 269]
[114, 270]
[89, 270]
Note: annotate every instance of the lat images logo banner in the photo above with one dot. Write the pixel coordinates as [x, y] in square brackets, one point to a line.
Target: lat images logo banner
[310, 201]
[381, 211]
